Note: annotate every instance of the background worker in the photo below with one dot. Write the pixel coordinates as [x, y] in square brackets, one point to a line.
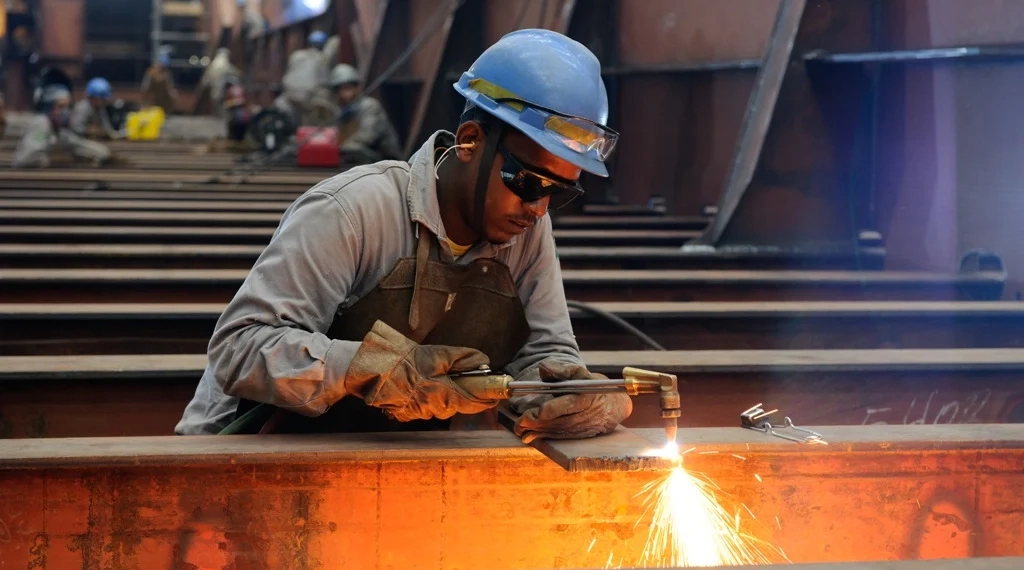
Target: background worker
[382, 281]
[158, 84]
[214, 81]
[48, 131]
[306, 96]
[366, 135]
[89, 117]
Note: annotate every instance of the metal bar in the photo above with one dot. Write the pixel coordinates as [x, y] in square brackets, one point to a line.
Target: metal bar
[373, 44]
[966, 54]
[1002, 563]
[184, 285]
[412, 141]
[620, 450]
[184, 328]
[145, 394]
[875, 493]
[684, 68]
[758, 117]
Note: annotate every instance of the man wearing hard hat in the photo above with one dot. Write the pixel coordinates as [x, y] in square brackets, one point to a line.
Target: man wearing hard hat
[383, 282]
[305, 81]
[89, 117]
[366, 134]
[49, 130]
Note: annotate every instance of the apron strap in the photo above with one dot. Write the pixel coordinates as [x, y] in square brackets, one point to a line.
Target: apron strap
[422, 256]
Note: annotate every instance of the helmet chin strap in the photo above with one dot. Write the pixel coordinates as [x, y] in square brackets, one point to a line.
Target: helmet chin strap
[483, 176]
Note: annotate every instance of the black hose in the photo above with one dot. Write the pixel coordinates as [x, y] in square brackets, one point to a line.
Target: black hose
[618, 321]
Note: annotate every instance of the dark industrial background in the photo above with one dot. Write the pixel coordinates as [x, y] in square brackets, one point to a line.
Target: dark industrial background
[874, 128]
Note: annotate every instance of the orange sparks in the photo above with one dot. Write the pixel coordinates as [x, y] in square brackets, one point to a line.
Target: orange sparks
[689, 527]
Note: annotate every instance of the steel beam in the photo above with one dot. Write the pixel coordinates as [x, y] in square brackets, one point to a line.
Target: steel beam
[416, 500]
[758, 118]
[120, 395]
[221, 256]
[167, 328]
[435, 41]
[212, 285]
[1000, 563]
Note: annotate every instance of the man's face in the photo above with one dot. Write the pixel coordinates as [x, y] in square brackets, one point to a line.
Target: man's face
[98, 102]
[507, 215]
[347, 93]
[59, 110]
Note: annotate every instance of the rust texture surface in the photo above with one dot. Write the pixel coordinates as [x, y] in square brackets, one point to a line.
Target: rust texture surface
[855, 501]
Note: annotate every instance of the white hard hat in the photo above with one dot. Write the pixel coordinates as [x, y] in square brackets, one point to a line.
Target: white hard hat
[343, 73]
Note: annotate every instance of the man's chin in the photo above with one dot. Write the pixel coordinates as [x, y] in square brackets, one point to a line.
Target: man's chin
[499, 238]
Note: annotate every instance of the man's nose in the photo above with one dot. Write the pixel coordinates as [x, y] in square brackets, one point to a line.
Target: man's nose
[538, 207]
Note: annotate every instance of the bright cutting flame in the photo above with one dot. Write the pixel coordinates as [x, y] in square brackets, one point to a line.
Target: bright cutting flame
[689, 526]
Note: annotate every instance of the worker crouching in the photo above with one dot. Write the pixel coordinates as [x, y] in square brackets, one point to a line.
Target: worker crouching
[383, 282]
[90, 117]
[49, 131]
[365, 133]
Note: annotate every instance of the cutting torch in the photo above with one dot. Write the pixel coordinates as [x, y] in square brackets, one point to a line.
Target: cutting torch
[486, 385]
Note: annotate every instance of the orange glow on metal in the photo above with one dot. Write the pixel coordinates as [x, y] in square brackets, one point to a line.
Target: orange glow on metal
[690, 526]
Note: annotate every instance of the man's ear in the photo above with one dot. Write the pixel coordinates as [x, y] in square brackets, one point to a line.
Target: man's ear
[469, 137]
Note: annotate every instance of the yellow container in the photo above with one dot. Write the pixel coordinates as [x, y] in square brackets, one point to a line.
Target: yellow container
[145, 125]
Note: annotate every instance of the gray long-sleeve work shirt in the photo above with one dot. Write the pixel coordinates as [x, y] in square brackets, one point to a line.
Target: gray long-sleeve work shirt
[33, 151]
[332, 247]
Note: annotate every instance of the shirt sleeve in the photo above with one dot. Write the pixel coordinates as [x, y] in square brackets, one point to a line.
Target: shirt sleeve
[330, 52]
[543, 295]
[81, 113]
[373, 122]
[269, 344]
[33, 150]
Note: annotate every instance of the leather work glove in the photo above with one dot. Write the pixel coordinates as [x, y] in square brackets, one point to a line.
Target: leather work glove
[410, 381]
[569, 416]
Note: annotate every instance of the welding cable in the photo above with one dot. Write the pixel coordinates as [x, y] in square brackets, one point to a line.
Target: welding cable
[618, 321]
[249, 422]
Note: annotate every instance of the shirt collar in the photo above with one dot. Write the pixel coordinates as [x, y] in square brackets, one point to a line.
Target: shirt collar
[422, 192]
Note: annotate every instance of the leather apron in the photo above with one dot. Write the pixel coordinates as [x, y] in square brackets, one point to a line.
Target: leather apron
[475, 305]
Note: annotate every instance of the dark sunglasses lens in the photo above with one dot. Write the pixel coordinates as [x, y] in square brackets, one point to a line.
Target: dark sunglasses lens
[530, 188]
[563, 198]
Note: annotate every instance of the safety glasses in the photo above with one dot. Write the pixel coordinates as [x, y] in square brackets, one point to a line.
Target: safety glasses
[531, 186]
[575, 133]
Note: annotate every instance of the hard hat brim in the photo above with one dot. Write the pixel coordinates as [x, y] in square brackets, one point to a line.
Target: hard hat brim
[509, 116]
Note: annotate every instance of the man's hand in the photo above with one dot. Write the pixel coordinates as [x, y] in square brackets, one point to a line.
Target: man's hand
[410, 381]
[571, 416]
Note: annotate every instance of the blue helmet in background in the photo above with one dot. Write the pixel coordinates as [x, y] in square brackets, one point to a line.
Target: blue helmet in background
[549, 87]
[317, 39]
[98, 87]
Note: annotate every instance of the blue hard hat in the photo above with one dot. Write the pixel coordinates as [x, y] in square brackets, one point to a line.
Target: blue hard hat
[317, 38]
[98, 87]
[548, 87]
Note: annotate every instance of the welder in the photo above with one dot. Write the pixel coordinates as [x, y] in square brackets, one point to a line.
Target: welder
[365, 132]
[49, 130]
[89, 117]
[158, 84]
[239, 113]
[216, 78]
[305, 80]
[383, 282]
